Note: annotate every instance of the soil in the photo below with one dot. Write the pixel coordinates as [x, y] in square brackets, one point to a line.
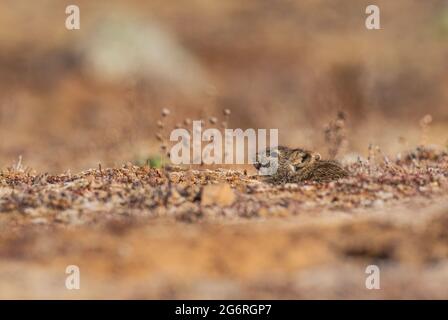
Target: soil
[141, 232]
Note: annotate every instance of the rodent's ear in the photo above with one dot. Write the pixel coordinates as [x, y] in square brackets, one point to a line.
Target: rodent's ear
[317, 156]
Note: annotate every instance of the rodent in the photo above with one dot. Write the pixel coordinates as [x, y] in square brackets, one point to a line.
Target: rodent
[298, 165]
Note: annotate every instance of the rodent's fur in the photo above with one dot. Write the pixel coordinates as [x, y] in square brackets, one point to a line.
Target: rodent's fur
[299, 165]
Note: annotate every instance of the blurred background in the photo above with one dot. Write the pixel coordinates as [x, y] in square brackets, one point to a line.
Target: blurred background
[72, 99]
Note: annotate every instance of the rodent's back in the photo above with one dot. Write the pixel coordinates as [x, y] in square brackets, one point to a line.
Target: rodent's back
[322, 171]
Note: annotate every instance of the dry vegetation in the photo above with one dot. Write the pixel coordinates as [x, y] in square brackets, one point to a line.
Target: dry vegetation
[309, 68]
[151, 233]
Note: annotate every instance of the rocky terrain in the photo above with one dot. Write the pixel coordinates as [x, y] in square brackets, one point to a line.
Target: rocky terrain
[140, 232]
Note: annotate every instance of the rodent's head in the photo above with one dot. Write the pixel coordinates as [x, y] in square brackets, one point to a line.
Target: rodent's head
[268, 161]
[285, 158]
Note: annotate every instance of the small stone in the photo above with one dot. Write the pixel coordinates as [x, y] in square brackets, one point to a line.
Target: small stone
[385, 195]
[175, 198]
[378, 203]
[274, 212]
[219, 194]
[70, 216]
[174, 177]
[165, 112]
[39, 220]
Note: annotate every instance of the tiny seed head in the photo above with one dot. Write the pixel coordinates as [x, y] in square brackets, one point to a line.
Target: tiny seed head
[165, 112]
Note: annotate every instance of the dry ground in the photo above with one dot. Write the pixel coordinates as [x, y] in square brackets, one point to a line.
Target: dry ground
[138, 232]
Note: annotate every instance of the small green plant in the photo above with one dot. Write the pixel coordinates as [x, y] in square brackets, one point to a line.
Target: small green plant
[153, 161]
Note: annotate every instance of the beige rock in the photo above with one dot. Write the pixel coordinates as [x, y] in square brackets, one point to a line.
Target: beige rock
[273, 212]
[220, 194]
